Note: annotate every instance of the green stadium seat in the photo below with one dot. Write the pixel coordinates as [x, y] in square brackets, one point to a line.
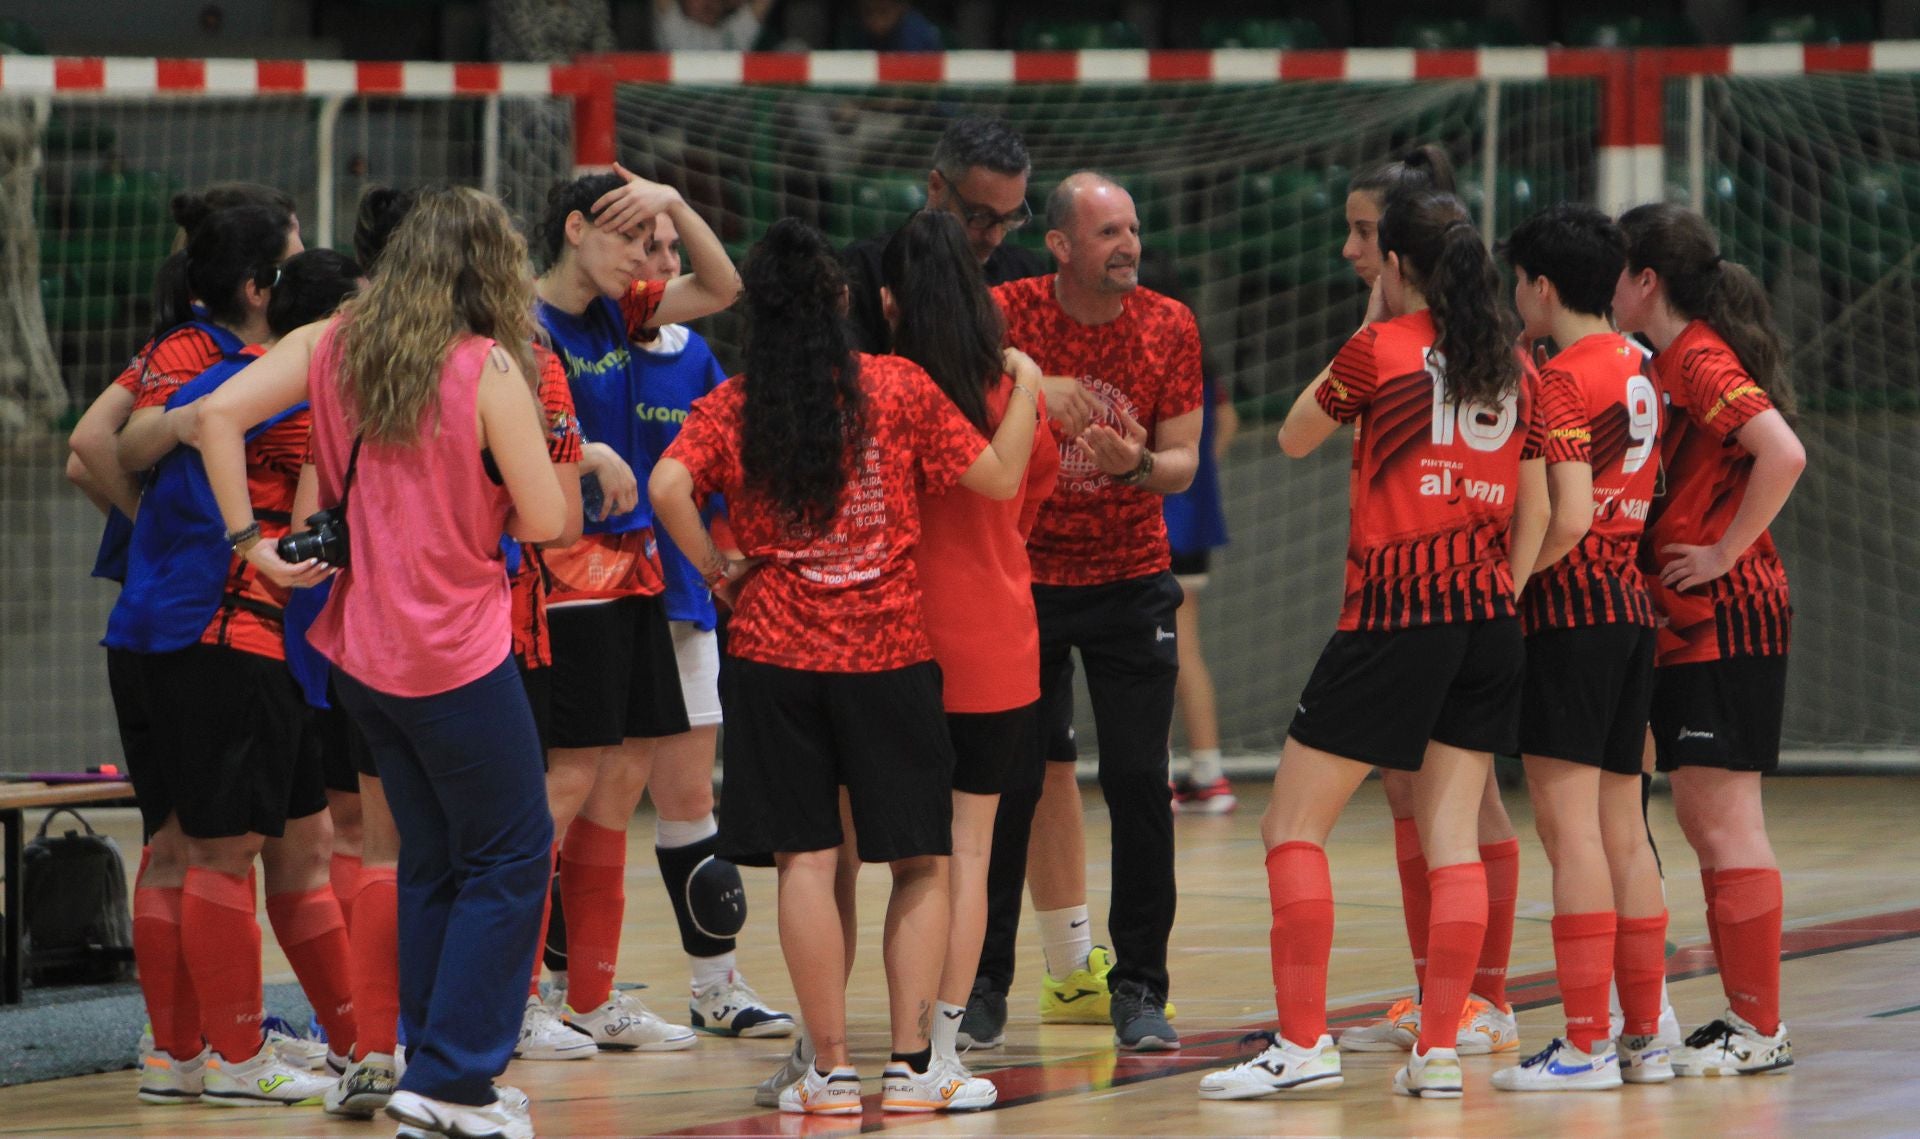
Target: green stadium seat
[1077, 35]
[122, 199]
[21, 37]
[1437, 34]
[1840, 23]
[876, 204]
[68, 309]
[1631, 31]
[1282, 35]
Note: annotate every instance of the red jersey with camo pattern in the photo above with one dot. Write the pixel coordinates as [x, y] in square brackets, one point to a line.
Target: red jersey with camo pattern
[1094, 530]
[1602, 407]
[1432, 484]
[845, 597]
[527, 589]
[1746, 612]
[165, 366]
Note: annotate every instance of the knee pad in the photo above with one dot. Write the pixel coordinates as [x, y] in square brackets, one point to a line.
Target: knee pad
[716, 897]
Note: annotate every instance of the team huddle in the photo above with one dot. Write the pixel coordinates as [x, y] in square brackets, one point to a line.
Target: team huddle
[478, 558]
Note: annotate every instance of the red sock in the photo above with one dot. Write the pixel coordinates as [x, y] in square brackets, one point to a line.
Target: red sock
[164, 981]
[221, 941]
[1459, 895]
[1639, 964]
[546, 915]
[313, 935]
[376, 962]
[1300, 886]
[1502, 860]
[1713, 917]
[1750, 906]
[1413, 892]
[1583, 960]
[343, 874]
[593, 872]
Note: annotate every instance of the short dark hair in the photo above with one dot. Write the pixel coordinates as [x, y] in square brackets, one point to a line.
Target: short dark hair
[974, 141]
[311, 286]
[563, 201]
[1576, 247]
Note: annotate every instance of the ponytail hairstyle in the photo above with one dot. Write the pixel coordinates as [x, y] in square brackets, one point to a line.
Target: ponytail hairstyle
[1424, 167]
[312, 285]
[381, 210]
[1441, 255]
[562, 202]
[804, 411]
[949, 323]
[228, 249]
[189, 209]
[454, 267]
[1676, 243]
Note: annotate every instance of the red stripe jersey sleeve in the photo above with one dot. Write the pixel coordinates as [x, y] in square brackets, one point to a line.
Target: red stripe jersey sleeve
[556, 404]
[1719, 393]
[1351, 379]
[1568, 436]
[173, 362]
[639, 305]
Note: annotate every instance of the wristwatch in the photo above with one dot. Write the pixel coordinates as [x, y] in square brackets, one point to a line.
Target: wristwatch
[1139, 474]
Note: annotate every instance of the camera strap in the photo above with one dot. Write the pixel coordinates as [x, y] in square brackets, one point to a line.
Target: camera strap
[346, 484]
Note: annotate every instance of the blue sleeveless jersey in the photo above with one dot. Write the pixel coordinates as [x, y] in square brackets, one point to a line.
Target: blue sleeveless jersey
[1196, 518]
[669, 383]
[603, 375]
[178, 558]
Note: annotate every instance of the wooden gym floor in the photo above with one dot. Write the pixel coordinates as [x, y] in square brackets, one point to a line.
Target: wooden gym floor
[1852, 980]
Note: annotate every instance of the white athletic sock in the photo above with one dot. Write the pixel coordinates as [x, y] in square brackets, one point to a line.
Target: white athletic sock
[1205, 767]
[1066, 936]
[670, 835]
[946, 1029]
[708, 971]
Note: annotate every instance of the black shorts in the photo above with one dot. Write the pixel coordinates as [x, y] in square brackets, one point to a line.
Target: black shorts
[329, 736]
[539, 685]
[1194, 564]
[987, 745]
[1719, 713]
[126, 682]
[1378, 697]
[359, 755]
[1586, 696]
[614, 674]
[793, 738]
[229, 756]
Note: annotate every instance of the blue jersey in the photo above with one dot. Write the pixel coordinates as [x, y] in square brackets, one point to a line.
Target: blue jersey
[669, 383]
[1196, 519]
[603, 372]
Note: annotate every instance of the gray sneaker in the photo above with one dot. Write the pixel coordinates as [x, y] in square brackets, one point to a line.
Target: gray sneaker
[984, 1026]
[797, 1064]
[1140, 1020]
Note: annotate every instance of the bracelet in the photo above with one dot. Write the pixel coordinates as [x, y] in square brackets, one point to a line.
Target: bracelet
[244, 539]
[718, 577]
[1139, 474]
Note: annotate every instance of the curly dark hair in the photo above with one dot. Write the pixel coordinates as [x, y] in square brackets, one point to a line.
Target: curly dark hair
[803, 422]
[1441, 255]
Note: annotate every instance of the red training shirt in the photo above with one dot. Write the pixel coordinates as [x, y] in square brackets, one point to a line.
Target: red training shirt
[532, 645]
[1601, 405]
[1746, 611]
[976, 585]
[180, 357]
[1432, 495]
[1094, 530]
[845, 599]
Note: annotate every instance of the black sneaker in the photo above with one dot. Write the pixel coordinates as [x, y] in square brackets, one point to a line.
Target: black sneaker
[1140, 1020]
[985, 1025]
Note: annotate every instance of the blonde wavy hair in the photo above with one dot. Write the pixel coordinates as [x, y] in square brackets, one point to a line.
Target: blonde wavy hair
[455, 265]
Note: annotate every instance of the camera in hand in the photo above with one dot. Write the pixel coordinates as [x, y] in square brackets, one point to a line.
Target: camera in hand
[325, 538]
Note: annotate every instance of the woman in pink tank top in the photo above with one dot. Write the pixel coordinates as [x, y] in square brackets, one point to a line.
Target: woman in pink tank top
[427, 372]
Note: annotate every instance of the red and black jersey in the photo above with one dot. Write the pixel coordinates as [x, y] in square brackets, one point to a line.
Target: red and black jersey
[183, 354]
[1745, 612]
[1093, 530]
[528, 587]
[842, 597]
[1432, 484]
[1601, 405]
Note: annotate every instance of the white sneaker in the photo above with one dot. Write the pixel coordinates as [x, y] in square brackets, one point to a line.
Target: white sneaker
[625, 1024]
[165, 1080]
[509, 1116]
[363, 1088]
[797, 1064]
[1281, 1067]
[543, 1036]
[1645, 1059]
[732, 1008]
[1434, 1075]
[1397, 1032]
[1669, 1033]
[1486, 1029]
[944, 1086]
[1732, 1047]
[265, 1078]
[295, 1049]
[1560, 1067]
[836, 1093]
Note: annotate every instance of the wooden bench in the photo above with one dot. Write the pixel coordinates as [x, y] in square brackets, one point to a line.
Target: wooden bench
[15, 800]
